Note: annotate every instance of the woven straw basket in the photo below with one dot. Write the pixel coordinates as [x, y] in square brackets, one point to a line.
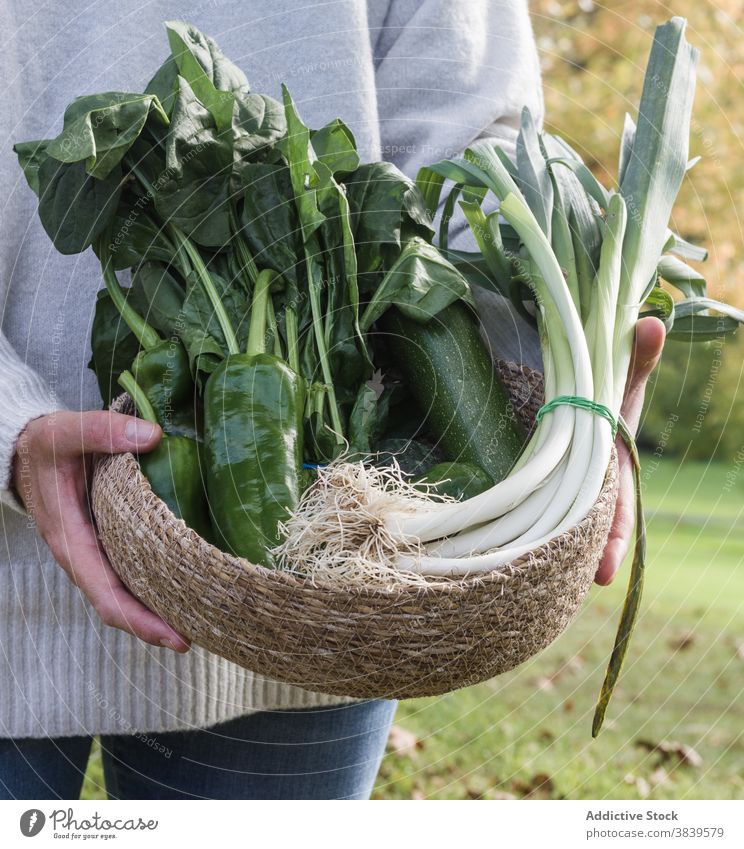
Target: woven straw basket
[365, 643]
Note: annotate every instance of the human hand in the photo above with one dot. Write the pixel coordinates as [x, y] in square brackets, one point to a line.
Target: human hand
[649, 341]
[51, 472]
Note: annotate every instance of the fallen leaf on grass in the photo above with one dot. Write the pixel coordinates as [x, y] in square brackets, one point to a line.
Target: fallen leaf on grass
[403, 742]
[540, 786]
[503, 795]
[671, 750]
[545, 736]
[477, 786]
[548, 682]
[640, 784]
[658, 776]
[575, 663]
[682, 641]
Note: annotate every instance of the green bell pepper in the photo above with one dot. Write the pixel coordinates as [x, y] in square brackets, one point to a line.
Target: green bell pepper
[161, 369]
[253, 409]
[174, 467]
[165, 377]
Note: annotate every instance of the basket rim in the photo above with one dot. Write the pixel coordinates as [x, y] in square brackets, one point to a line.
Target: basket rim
[214, 555]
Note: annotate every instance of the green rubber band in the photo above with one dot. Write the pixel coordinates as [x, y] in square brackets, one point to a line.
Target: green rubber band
[582, 404]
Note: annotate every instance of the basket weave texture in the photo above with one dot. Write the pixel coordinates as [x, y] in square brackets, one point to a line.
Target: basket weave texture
[362, 642]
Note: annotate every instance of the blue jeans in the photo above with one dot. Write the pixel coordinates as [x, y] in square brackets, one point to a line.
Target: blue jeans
[319, 753]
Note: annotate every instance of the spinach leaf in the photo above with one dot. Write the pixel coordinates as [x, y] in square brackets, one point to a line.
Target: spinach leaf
[304, 178]
[368, 419]
[100, 128]
[258, 123]
[350, 359]
[159, 298]
[210, 76]
[257, 120]
[420, 284]
[164, 85]
[136, 236]
[269, 220]
[199, 329]
[113, 347]
[363, 421]
[385, 208]
[335, 147]
[194, 190]
[198, 57]
[30, 156]
[73, 206]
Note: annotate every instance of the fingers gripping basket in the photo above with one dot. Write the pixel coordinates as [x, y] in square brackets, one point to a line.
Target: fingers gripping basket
[411, 641]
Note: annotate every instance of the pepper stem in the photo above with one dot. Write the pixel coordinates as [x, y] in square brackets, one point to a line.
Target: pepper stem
[257, 330]
[137, 394]
[146, 335]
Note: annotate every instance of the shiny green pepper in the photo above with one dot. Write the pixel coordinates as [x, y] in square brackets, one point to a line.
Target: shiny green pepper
[174, 468]
[253, 406]
[161, 369]
[163, 373]
[253, 412]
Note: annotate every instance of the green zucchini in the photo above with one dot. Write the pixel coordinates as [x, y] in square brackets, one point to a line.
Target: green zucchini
[448, 370]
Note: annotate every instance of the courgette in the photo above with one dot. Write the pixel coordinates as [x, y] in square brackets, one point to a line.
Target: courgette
[448, 370]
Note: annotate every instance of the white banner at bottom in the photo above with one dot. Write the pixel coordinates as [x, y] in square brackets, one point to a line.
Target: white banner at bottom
[382, 825]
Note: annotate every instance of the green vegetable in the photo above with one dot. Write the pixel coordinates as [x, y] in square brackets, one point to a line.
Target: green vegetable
[74, 207]
[164, 375]
[174, 468]
[100, 128]
[113, 347]
[197, 184]
[459, 480]
[253, 405]
[449, 373]
[161, 368]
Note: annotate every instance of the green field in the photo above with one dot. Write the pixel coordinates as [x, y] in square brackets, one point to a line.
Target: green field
[527, 733]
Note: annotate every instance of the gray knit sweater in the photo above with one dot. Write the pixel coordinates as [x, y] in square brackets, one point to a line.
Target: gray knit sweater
[417, 80]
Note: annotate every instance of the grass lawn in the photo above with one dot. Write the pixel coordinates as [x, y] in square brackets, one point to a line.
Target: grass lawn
[527, 733]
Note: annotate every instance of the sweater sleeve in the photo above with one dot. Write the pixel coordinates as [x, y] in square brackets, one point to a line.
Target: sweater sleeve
[25, 396]
[449, 74]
